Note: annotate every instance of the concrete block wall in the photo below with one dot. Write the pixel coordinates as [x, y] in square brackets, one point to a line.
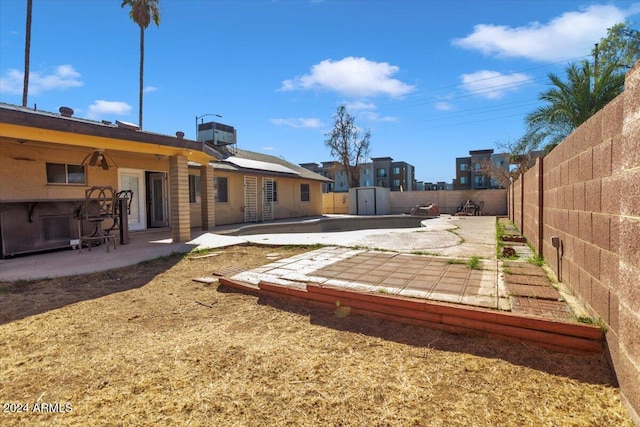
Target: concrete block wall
[495, 201]
[517, 202]
[531, 206]
[590, 199]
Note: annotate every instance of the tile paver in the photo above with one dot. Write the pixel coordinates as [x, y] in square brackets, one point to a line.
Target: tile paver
[551, 309]
[526, 279]
[540, 292]
[528, 292]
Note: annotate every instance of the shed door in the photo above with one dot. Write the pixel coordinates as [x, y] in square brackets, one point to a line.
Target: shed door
[366, 201]
[250, 199]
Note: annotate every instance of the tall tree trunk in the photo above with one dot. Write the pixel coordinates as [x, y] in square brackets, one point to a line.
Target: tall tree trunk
[354, 176]
[141, 76]
[27, 54]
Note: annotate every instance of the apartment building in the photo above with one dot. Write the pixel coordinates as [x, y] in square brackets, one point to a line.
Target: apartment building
[471, 171]
[379, 172]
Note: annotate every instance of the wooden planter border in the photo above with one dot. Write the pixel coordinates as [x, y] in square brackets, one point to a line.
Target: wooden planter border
[549, 334]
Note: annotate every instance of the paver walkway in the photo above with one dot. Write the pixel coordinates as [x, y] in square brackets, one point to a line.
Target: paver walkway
[531, 292]
[524, 289]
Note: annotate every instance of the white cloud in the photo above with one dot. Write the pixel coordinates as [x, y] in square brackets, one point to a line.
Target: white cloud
[299, 122]
[353, 77]
[149, 89]
[11, 83]
[372, 116]
[359, 106]
[62, 77]
[100, 108]
[444, 106]
[268, 148]
[366, 110]
[492, 84]
[569, 35]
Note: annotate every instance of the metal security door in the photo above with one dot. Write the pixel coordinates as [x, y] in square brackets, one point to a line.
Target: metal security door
[250, 199]
[267, 199]
[157, 200]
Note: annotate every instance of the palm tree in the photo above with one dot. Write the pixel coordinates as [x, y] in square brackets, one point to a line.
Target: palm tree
[142, 13]
[571, 103]
[27, 54]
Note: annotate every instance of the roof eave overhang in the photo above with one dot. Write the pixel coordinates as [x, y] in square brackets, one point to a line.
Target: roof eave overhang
[190, 149]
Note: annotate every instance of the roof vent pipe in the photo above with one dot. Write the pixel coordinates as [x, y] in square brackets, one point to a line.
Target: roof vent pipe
[180, 135]
[66, 111]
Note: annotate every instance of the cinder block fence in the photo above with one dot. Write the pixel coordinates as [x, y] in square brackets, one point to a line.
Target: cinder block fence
[586, 192]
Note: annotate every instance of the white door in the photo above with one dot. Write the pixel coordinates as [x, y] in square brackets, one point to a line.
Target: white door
[366, 201]
[133, 179]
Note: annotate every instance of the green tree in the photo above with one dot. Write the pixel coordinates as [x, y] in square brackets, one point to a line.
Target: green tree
[621, 46]
[587, 89]
[27, 55]
[570, 103]
[348, 144]
[142, 13]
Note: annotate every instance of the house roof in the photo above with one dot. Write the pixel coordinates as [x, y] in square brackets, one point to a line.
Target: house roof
[19, 122]
[259, 165]
[244, 160]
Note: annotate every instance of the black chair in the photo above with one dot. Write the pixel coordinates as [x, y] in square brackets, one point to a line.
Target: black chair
[98, 210]
[120, 220]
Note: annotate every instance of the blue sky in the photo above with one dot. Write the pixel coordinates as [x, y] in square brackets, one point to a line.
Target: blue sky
[430, 79]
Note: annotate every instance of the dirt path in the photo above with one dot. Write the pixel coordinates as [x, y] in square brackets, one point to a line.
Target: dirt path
[146, 345]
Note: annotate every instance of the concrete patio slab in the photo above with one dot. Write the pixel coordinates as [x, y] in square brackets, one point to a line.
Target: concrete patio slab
[414, 276]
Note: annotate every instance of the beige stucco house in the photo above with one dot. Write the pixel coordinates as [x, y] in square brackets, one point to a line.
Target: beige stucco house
[254, 187]
[48, 161]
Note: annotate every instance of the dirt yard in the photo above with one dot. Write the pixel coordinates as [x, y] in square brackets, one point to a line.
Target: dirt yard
[146, 345]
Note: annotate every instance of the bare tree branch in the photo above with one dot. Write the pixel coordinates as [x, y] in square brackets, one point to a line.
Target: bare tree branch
[348, 144]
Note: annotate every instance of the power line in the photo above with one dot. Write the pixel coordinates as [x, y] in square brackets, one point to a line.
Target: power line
[503, 75]
[485, 91]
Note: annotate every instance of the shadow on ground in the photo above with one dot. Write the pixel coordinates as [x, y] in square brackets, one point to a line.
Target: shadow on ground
[24, 298]
[584, 368]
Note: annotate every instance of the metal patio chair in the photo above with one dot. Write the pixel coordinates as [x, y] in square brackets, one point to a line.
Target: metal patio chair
[98, 210]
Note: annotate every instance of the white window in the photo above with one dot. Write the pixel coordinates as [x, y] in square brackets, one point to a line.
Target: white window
[60, 173]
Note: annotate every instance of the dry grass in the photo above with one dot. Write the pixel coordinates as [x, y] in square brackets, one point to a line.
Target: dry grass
[146, 345]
